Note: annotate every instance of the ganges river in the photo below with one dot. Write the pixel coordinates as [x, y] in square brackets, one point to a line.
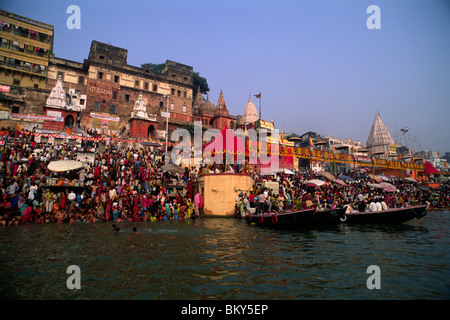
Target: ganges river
[226, 259]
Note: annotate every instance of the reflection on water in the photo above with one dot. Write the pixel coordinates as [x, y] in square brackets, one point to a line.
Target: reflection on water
[219, 258]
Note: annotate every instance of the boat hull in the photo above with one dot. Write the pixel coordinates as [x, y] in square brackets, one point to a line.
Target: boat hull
[390, 216]
[298, 218]
[294, 218]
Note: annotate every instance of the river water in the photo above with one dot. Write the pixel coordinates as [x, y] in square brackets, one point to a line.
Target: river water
[226, 259]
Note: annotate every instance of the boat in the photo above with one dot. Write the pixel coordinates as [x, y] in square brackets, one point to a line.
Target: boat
[390, 216]
[329, 217]
[294, 218]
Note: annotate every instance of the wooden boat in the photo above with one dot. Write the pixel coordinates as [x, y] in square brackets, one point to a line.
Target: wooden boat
[294, 218]
[390, 216]
[329, 217]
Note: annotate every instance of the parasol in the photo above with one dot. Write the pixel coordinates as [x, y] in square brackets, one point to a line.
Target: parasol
[172, 167]
[375, 185]
[64, 165]
[339, 181]
[346, 178]
[327, 175]
[388, 187]
[314, 183]
[377, 179]
[410, 179]
[384, 178]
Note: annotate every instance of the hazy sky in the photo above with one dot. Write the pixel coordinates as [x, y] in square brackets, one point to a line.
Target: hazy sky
[317, 64]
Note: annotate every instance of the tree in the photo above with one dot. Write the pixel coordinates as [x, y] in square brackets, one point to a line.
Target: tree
[154, 67]
[201, 82]
[446, 156]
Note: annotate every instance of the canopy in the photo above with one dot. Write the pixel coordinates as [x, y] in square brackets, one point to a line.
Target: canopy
[226, 142]
[64, 165]
[267, 172]
[172, 167]
[429, 168]
[410, 179]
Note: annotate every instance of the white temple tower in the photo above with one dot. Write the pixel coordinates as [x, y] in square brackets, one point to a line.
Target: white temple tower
[379, 138]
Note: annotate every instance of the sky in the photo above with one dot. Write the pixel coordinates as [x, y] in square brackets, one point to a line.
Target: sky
[316, 63]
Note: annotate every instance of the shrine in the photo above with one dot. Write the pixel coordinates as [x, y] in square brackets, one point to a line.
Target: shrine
[142, 125]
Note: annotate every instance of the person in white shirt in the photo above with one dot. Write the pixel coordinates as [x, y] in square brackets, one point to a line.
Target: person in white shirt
[383, 205]
[372, 205]
[72, 196]
[378, 205]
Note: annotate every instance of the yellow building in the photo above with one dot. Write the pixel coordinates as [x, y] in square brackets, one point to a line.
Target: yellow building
[25, 47]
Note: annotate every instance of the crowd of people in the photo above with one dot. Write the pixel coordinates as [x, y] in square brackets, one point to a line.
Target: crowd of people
[129, 184]
[123, 184]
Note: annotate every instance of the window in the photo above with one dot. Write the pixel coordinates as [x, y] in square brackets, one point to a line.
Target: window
[80, 80]
[155, 87]
[97, 106]
[16, 82]
[127, 98]
[145, 85]
[116, 79]
[101, 58]
[178, 93]
[114, 94]
[184, 109]
[161, 104]
[15, 109]
[100, 75]
[184, 94]
[136, 83]
[61, 75]
[172, 92]
[36, 86]
[172, 107]
[113, 108]
[82, 102]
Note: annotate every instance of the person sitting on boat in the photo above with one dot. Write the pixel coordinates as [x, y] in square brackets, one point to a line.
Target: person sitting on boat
[378, 205]
[362, 206]
[383, 204]
[348, 207]
[372, 205]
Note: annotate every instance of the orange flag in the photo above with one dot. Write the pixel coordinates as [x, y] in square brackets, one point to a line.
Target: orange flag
[19, 128]
[68, 131]
[150, 137]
